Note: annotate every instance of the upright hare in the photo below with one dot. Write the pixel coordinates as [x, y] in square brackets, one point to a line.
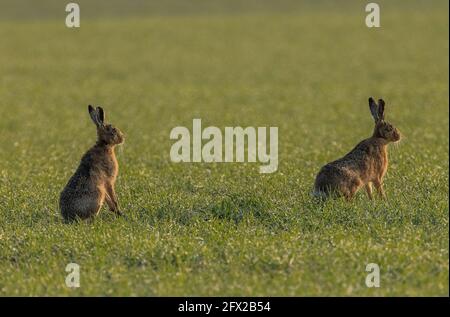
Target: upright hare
[93, 181]
[365, 165]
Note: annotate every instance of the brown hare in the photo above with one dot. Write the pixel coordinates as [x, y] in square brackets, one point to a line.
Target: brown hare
[93, 181]
[365, 165]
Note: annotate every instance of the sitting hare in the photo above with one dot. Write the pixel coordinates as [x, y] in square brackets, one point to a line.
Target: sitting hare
[365, 164]
[93, 181]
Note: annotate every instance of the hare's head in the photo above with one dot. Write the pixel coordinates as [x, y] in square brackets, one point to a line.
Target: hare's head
[106, 133]
[383, 129]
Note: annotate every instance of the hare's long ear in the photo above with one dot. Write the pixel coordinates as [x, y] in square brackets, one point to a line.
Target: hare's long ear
[93, 114]
[381, 109]
[101, 115]
[373, 109]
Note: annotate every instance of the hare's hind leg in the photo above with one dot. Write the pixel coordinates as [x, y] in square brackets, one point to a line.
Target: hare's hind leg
[351, 187]
[81, 208]
[88, 207]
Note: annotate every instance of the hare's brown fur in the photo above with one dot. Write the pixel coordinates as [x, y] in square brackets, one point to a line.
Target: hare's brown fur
[94, 180]
[365, 165]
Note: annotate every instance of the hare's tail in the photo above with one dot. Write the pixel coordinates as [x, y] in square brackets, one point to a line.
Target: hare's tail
[316, 193]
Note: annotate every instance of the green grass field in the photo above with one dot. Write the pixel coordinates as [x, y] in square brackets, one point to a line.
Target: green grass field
[224, 229]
